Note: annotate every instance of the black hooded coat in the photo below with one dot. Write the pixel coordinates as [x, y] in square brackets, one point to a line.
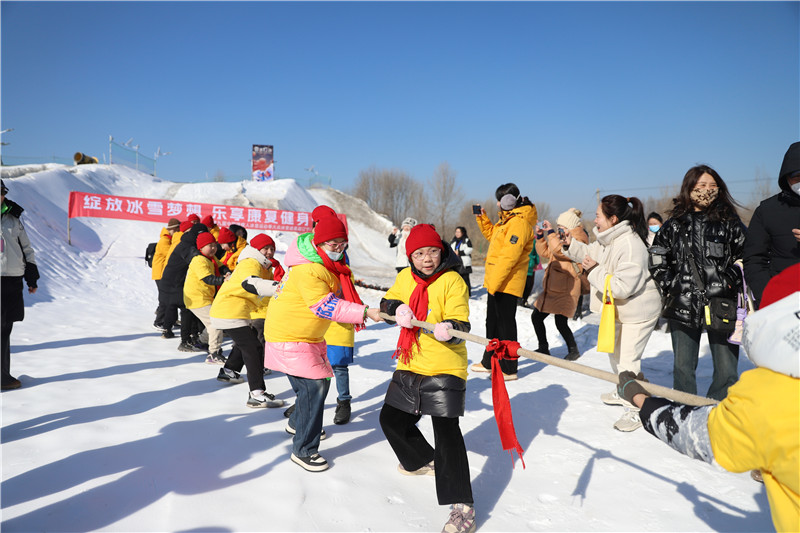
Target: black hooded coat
[171, 283]
[770, 246]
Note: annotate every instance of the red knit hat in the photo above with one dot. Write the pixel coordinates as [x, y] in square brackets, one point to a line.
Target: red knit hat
[226, 236]
[261, 240]
[781, 285]
[422, 235]
[208, 221]
[329, 228]
[193, 218]
[185, 225]
[204, 238]
[322, 211]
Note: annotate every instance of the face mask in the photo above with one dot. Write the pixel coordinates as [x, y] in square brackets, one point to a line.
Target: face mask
[796, 188]
[335, 256]
[654, 228]
[703, 197]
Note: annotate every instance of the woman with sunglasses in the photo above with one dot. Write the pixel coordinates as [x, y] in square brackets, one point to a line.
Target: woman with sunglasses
[316, 291]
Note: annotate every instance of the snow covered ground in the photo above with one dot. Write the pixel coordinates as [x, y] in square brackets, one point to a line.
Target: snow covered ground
[116, 430]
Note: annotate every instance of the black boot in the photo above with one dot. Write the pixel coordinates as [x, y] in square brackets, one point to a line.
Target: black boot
[573, 353]
[342, 415]
[543, 348]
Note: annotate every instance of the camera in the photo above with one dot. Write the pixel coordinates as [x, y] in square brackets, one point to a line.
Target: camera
[476, 209]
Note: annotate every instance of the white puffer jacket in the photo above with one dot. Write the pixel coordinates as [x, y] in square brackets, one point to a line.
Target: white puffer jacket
[619, 251]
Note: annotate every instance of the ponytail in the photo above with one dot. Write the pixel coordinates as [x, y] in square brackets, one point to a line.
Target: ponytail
[626, 208]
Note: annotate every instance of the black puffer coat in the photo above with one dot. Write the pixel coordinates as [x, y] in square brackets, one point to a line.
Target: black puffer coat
[174, 276]
[713, 246]
[770, 247]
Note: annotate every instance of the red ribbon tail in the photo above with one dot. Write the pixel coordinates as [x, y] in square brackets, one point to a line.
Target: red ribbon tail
[500, 401]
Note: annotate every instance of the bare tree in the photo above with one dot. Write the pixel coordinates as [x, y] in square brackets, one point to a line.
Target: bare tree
[219, 176]
[391, 192]
[445, 197]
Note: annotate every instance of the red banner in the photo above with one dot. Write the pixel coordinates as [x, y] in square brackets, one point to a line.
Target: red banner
[83, 204]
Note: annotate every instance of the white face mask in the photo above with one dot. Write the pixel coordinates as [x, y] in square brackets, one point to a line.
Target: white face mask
[796, 188]
[335, 256]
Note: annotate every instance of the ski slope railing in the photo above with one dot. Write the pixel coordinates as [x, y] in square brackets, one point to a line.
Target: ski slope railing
[655, 390]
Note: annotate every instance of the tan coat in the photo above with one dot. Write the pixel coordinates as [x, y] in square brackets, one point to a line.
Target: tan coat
[561, 286]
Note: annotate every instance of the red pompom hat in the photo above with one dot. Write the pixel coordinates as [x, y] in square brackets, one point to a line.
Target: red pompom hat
[422, 235]
[329, 228]
[322, 211]
[226, 236]
[193, 218]
[208, 221]
[261, 240]
[204, 238]
[185, 225]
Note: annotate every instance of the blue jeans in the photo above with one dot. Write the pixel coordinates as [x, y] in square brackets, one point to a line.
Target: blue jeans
[724, 355]
[307, 415]
[342, 376]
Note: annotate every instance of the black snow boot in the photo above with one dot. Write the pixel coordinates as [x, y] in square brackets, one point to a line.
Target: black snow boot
[543, 348]
[342, 415]
[573, 353]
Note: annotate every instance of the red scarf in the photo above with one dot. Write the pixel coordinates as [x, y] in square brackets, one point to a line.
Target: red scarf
[502, 406]
[343, 271]
[409, 337]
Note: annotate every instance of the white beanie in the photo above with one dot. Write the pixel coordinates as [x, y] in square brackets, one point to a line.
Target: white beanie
[409, 222]
[571, 218]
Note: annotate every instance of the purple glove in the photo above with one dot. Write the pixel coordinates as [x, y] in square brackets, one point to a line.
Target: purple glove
[403, 315]
[441, 331]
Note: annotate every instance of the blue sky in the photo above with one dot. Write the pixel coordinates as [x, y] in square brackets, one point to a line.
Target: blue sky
[562, 98]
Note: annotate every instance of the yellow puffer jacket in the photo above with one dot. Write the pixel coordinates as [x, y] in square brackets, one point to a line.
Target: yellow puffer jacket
[214, 230]
[290, 316]
[162, 252]
[233, 259]
[232, 301]
[758, 426]
[176, 239]
[448, 298]
[510, 244]
[260, 312]
[339, 334]
[197, 293]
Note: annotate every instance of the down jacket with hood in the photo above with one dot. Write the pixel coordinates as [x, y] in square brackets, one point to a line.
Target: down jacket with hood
[174, 275]
[510, 245]
[234, 303]
[770, 246]
[18, 261]
[307, 301]
[434, 381]
[713, 246]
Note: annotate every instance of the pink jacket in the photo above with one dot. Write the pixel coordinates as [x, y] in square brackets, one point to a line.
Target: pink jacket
[304, 305]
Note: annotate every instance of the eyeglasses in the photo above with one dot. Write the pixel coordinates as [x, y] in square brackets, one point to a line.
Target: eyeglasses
[336, 245]
[432, 253]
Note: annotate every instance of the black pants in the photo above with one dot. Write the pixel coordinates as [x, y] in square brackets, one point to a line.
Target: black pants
[190, 325]
[465, 277]
[449, 455]
[541, 333]
[159, 310]
[526, 292]
[501, 324]
[6, 350]
[247, 351]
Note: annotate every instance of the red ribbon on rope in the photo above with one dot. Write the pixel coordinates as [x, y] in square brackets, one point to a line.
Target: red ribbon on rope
[502, 406]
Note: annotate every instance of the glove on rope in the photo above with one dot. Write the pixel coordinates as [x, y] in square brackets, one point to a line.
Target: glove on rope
[628, 387]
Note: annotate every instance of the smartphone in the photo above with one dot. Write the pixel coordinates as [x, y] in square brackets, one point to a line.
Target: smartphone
[561, 233]
[476, 209]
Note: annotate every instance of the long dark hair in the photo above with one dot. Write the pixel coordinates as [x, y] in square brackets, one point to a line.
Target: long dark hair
[722, 208]
[630, 209]
[510, 188]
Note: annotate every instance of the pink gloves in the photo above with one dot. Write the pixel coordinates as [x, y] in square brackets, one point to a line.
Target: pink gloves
[403, 316]
[441, 331]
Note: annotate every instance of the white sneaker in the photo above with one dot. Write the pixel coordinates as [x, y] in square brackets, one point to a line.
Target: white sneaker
[424, 470]
[612, 398]
[462, 519]
[478, 367]
[629, 421]
[260, 399]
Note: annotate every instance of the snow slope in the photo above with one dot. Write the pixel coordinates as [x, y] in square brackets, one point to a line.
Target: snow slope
[116, 430]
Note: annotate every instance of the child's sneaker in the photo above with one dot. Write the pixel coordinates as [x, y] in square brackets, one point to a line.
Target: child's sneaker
[462, 519]
[478, 367]
[314, 463]
[629, 421]
[216, 358]
[612, 398]
[424, 470]
[226, 375]
[262, 399]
